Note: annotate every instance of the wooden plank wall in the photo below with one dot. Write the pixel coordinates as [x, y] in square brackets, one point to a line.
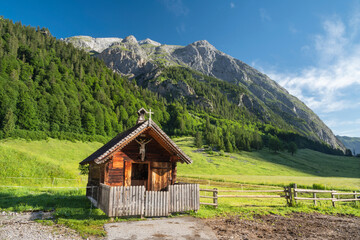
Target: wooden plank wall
[156, 203]
[184, 197]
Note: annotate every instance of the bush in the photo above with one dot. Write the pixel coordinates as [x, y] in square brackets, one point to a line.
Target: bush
[318, 186]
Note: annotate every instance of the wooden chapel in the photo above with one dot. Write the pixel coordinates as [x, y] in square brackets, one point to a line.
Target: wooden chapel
[140, 156]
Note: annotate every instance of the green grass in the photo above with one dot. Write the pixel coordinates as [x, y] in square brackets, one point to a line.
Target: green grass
[22, 161]
[305, 168]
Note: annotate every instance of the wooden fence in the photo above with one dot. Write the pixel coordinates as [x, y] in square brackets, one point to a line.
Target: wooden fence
[136, 201]
[184, 197]
[156, 204]
[286, 194]
[126, 201]
[332, 195]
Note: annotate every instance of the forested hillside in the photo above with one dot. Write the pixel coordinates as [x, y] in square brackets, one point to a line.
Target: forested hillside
[49, 88]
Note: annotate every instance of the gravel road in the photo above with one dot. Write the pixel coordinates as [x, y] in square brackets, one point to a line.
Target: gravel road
[21, 226]
[166, 228]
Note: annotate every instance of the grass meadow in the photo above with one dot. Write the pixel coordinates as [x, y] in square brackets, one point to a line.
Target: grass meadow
[44, 176]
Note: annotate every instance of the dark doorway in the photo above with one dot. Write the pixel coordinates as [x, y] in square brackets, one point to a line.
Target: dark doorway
[139, 174]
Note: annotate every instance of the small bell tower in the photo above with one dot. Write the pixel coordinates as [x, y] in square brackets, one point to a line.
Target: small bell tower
[141, 114]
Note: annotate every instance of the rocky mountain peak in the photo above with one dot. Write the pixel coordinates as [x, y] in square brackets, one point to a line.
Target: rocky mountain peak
[203, 43]
[92, 44]
[130, 39]
[149, 41]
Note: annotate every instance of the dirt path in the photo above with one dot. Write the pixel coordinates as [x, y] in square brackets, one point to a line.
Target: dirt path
[166, 228]
[22, 226]
[297, 226]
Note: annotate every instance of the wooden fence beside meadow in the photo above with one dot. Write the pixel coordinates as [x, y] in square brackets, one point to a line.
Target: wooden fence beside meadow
[332, 195]
[290, 194]
[286, 193]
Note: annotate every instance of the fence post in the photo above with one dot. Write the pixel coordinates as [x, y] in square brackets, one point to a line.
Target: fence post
[314, 196]
[286, 195]
[295, 193]
[333, 199]
[215, 198]
[355, 197]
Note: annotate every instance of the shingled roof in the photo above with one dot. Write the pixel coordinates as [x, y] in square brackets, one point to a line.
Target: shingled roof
[122, 139]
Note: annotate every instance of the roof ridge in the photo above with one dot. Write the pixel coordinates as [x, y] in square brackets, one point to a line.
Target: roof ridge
[122, 139]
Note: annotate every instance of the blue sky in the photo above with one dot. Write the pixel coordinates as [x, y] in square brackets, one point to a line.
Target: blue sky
[312, 48]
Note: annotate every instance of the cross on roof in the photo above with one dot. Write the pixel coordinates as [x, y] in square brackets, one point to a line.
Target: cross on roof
[150, 112]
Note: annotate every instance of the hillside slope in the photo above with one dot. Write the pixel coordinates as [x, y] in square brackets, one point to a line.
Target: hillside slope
[147, 60]
[39, 162]
[352, 143]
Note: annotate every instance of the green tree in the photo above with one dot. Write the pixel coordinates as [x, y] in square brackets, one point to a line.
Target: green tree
[292, 148]
[274, 144]
[198, 140]
[9, 123]
[348, 152]
[27, 118]
[89, 124]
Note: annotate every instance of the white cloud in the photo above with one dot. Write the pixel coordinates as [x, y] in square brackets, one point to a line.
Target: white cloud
[324, 87]
[232, 5]
[353, 132]
[177, 7]
[264, 15]
[333, 122]
[331, 44]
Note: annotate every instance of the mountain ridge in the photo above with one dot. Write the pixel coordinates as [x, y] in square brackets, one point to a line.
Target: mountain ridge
[145, 61]
[352, 143]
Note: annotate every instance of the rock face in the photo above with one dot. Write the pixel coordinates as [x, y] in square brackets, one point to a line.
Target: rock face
[145, 59]
[92, 44]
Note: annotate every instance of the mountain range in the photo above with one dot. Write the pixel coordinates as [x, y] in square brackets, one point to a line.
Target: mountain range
[152, 65]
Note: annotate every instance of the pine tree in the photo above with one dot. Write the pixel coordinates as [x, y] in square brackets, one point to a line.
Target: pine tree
[89, 124]
[198, 140]
[27, 118]
[9, 123]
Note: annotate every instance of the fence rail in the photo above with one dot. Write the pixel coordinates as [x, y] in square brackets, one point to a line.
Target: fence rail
[333, 197]
[290, 194]
[215, 197]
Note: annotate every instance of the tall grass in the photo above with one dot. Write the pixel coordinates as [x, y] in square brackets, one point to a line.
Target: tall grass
[43, 163]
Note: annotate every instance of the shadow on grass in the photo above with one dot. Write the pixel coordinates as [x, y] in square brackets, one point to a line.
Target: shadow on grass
[69, 204]
[314, 163]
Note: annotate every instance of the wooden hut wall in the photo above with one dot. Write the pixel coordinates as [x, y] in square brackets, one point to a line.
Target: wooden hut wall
[114, 173]
[95, 174]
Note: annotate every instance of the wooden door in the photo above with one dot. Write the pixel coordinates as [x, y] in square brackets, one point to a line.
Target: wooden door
[160, 175]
